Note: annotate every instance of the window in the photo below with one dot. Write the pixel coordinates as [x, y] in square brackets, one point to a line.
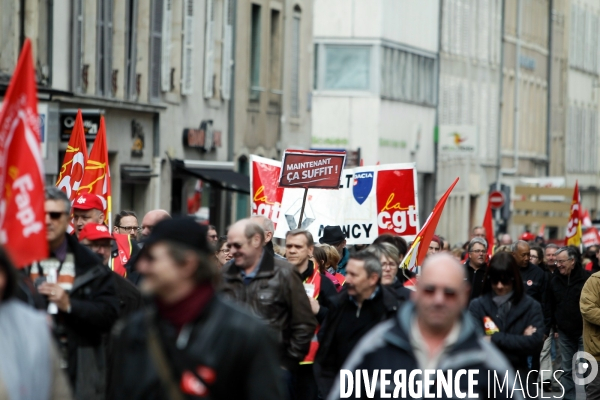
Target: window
[584, 40]
[77, 51]
[166, 47]
[104, 48]
[275, 47]
[582, 143]
[346, 67]
[156, 30]
[295, 89]
[209, 50]
[407, 76]
[131, 13]
[255, 36]
[226, 59]
[188, 48]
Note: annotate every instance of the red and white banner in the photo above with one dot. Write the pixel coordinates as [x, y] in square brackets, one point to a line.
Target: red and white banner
[266, 194]
[22, 213]
[573, 236]
[369, 202]
[591, 237]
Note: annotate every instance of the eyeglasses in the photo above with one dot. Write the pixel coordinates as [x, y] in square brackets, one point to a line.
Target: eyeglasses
[478, 251]
[560, 262]
[55, 214]
[224, 251]
[536, 257]
[236, 246]
[130, 229]
[504, 280]
[389, 265]
[430, 290]
[214, 237]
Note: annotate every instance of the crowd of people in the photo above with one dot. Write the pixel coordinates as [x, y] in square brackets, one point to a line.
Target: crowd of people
[168, 309]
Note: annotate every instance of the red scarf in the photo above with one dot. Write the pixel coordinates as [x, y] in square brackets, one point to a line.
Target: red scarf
[187, 309]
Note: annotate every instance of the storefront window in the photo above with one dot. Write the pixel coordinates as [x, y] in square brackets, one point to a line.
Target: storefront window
[347, 67]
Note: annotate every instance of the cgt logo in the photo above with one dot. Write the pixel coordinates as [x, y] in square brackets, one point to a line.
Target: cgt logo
[585, 368]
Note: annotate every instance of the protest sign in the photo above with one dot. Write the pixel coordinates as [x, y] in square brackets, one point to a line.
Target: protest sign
[311, 169]
[266, 194]
[370, 201]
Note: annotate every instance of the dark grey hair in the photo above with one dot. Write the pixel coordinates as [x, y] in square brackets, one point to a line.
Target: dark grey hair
[571, 252]
[372, 263]
[252, 228]
[552, 246]
[206, 270]
[384, 249]
[477, 240]
[53, 193]
[518, 243]
[266, 223]
[309, 237]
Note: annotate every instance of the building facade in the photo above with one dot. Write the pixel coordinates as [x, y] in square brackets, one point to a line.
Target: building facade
[376, 68]
[158, 71]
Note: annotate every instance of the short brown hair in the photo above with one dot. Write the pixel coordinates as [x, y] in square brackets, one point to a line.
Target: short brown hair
[296, 232]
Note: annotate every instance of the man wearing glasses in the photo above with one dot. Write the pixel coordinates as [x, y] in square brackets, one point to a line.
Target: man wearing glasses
[126, 223]
[81, 299]
[432, 332]
[475, 265]
[563, 313]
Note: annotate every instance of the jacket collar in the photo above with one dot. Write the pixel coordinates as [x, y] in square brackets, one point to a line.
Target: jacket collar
[309, 271]
[516, 310]
[266, 268]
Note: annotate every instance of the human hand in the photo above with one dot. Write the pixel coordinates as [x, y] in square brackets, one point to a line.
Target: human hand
[314, 305]
[56, 295]
[555, 335]
[530, 330]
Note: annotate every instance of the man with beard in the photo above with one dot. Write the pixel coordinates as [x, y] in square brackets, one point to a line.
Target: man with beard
[363, 303]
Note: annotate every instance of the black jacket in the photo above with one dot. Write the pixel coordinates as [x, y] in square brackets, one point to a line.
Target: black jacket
[475, 279]
[327, 295]
[534, 281]
[239, 349]
[562, 302]
[277, 296]
[510, 340]
[388, 346]
[402, 293]
[327, 361]
[94, 310]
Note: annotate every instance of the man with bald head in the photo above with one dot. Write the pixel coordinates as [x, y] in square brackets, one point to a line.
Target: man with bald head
[271, 288]
[432, 332]
[152, 218]
[534, 277]
[505, 240]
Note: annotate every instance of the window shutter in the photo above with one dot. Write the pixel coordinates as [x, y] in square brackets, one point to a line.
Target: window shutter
[187, 82]
[100, 37]
[295, 88]
[77, 41]
[226, 62]
[156, 49]
[131, 46]
[108, 34]
[166, 47]
[209, 51]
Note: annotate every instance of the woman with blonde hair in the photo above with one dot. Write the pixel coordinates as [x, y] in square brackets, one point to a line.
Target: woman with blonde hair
[390, 264]
[333, 259]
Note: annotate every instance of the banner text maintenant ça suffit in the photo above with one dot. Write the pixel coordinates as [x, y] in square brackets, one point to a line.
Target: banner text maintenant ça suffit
[308, 164]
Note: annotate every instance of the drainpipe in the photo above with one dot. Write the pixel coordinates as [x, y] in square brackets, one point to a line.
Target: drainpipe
[549, 88]
[157, 160]
[437, 102]
[501, 97]
[231, 108]
[517, 91]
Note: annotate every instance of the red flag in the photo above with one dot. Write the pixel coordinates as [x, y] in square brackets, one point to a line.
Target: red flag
[573, 236]
[71, 172]
[22, 213]
[96, 176]
[489, 229]
[417, 252]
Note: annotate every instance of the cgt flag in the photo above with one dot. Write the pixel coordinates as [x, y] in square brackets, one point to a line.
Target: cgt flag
[96, 176]
[573, 237]
[22, 214]
[418, 250]
[71, 172]
[489, 230]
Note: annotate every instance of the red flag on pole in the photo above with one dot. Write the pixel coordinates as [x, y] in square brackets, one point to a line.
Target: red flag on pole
[417, 252]
[573, 236]
[71, 172]
[96, 176]
[489, 229]
[22, 213]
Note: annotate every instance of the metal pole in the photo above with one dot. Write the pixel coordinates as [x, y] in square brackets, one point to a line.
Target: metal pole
[302, 209]
[517, 91]
[501, 101]
[549, 87]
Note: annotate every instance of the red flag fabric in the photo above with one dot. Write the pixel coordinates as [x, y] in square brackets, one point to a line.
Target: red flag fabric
[418, 251]
[573, 236]
[125, 249]
[96, 176]
[71, 172]
[22, 213]
[489, 229]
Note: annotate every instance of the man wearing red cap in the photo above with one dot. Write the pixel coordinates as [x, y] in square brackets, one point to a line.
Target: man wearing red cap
[98, 239]
[87, 208]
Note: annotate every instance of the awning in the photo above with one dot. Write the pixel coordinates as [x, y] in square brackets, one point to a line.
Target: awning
[136, 173]
[218, 174]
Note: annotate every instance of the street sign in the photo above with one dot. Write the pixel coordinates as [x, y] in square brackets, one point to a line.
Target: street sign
[497, 199]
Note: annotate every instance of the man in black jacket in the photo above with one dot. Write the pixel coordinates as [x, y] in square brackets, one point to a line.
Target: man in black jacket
[534, 277]
[562, 308]
[475, 265]
[82, 300]
[322, 295]
[363, 303]
[189, 342]
[433, 333]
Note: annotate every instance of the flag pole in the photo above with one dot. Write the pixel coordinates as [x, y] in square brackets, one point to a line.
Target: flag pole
[302, 209]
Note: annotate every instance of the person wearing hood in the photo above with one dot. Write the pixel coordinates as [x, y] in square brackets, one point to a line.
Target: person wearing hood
[507, 316]
[563, 312]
